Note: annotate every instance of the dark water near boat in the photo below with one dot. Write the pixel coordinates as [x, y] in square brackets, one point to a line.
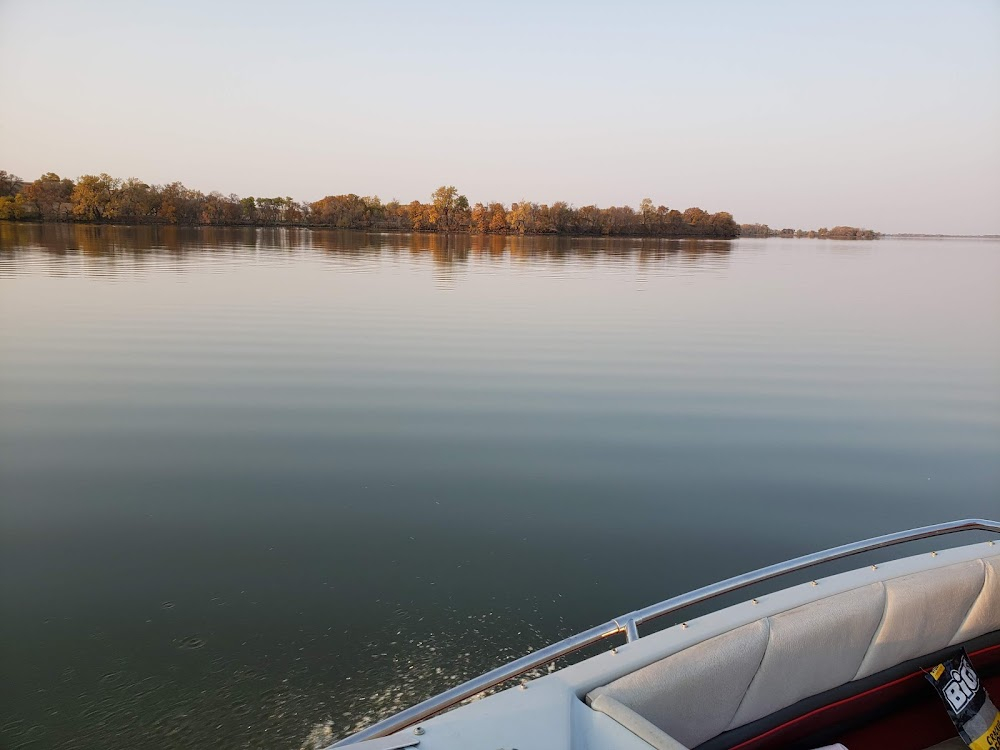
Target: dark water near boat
[258, 484]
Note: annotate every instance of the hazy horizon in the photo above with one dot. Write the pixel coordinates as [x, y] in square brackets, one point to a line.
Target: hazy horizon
[881, 115]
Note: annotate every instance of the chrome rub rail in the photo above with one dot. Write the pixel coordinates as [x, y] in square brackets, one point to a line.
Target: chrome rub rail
[629, 623]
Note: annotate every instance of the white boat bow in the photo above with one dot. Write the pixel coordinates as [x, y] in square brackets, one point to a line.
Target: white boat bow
[747, 676]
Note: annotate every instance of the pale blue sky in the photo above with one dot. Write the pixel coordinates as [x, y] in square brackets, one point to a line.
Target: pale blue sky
[805, 114]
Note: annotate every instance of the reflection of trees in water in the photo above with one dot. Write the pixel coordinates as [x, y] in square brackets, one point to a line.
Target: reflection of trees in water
[110, 241]
[136, 243]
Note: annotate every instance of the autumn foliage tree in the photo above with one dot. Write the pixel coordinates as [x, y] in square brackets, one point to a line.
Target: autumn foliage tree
[50, 196]
[10, 184]
[12, 200]
[92, 196]
[449, 211]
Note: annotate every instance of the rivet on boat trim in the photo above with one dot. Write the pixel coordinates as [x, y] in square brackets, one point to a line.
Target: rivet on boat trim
[614, 651]
[684, 626]
[523, 685]
[874, 567]
[418, 731]
[753, 601]
[933, 554]
[813, 583]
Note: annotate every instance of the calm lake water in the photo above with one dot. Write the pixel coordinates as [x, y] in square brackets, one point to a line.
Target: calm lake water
[257, 486]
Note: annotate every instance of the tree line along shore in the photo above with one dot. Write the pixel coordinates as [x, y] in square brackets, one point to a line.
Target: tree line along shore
[105, 199]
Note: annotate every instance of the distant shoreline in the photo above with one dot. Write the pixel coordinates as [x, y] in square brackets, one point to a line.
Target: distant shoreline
[916, 236]
[103, 199]
[364, 230]
[429, 232]
[881, 235]
[432, 232]
[106, 200]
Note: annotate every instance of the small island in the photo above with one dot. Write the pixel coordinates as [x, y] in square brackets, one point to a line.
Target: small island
[837, 233]
[103, 199]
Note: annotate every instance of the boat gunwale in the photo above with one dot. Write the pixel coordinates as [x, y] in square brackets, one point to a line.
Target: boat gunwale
[628, 624]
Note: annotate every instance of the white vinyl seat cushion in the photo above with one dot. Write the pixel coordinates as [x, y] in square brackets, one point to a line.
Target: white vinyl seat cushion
[748, 673]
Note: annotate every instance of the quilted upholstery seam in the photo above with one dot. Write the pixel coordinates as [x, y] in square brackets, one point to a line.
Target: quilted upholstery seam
[878, 629]
[756, 673]
[968, 612]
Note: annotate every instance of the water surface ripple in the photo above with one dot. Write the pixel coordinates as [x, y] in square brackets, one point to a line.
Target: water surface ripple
[259, 487]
